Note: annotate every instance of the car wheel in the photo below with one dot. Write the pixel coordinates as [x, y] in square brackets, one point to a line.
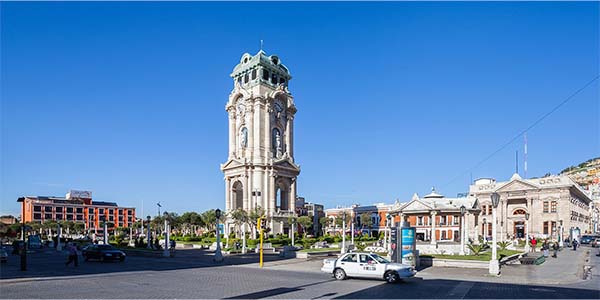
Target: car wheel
[339, 274]
[391, 277]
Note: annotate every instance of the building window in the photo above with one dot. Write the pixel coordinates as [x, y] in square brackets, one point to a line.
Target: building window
[253, 74]
[69, 217]
[489, 209]
[545, 206]
[546, 227]
[111, 218]
[519, 212]
[443, 234]
[111, 211]
[420, 220]
[59, 216]
[48, 209]
[553, 206]
[69, 210]
[120, 212]
[79, 217]
[121, 218]
[442, 220]
[39, 216]
[553, 226]
[101, 211]
[59, 209]
[265, 74]
[129, 219]
[90, 210]
[37, 208]
[79, 210]
[48, 216]
[246, 78]
[274, 79]
[281, 80]
[456, 220]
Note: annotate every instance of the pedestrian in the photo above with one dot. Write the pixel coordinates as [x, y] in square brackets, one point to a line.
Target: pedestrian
[545, 248]
[72, 255]
[555, 248]
[575, 244]
[533, 244]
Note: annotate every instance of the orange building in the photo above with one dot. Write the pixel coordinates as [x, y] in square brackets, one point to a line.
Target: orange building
[76, 206]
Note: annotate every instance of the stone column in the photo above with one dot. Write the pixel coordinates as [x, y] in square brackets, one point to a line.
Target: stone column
[250, 128]
[256, 137]
[228, 205]
[433, 239]
[267, 138]
[245, 193]
[292, 196]
[249, 189]
[232, 132]
[290, 135]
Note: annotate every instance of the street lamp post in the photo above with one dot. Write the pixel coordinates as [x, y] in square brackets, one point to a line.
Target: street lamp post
[560, 234]
[527, 232]
[59, 232]
[494, 265]
[218, 254]
[105, 235]
[344, 232]
[463, 210]
[352, 227]
[484, 229]
[389, 237]
[166, 252]
[148, 233]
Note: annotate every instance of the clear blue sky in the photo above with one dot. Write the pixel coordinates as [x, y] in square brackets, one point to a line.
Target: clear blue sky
[127, 99]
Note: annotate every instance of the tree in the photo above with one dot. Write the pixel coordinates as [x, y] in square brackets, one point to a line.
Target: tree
[325, 222]
[240, 217]
[366, 220]
[306, 222]
[257, 212]
[209, 218]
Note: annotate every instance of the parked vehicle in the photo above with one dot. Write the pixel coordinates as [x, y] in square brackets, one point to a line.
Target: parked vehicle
[102, 253]
[586, 239]
[595, 242]
[367, 265]
[3, 255]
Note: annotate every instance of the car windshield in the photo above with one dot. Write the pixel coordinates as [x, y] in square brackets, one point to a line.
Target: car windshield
[380, 259]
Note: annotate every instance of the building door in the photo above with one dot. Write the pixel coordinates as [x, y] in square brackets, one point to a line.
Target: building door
[519, 230]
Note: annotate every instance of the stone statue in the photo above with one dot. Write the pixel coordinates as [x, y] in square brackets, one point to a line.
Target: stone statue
[277, 142]
[244, 137]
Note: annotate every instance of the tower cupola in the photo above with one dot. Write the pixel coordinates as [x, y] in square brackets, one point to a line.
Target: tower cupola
[260, 68]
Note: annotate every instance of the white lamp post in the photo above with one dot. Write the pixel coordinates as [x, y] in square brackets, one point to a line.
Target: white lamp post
[352, 227]
[560, 234]
[243, 238]
[344, 232]
[494, 265]
[166, 252]
[527, 248]
[463, 210]
[59, 232]
[218, 254]
[105, 240]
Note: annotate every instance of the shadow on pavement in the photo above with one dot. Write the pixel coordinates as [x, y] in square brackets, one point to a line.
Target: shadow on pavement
[49, 263]
[456, 289]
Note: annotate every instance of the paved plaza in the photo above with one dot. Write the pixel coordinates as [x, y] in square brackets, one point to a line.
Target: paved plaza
[192, 274]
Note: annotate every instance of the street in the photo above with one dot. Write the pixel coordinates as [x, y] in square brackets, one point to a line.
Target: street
[192, 274]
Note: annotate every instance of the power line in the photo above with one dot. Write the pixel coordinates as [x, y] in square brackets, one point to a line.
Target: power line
[525, 130]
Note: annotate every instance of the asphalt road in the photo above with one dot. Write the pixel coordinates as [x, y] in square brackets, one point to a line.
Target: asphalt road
[193, 275]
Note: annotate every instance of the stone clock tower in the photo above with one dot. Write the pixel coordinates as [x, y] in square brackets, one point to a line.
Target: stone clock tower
[260, 170]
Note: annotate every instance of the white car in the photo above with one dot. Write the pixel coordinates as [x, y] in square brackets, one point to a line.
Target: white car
[368, 265]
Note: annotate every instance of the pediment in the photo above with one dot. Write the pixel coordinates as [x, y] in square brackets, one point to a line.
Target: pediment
[416, 205]
[286, 164]
[231, 164]
[516, 185]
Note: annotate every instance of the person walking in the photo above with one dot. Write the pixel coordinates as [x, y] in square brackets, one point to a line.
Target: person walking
[545, 248]
[555, 248]
[575, 244]
[72, 255]
[533, 244]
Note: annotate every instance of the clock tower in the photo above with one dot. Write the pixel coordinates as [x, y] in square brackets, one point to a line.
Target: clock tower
[260, 171]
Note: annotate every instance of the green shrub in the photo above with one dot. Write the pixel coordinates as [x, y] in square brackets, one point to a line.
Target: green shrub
[476, 249]
[503, 245]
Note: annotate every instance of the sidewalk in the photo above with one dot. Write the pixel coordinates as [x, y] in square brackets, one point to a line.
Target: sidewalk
[564, 270]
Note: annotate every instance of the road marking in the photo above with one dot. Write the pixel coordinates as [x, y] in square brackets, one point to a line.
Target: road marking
[461, 290]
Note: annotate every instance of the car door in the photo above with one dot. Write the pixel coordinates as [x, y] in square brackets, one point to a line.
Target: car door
[368, 266]
[350, 264]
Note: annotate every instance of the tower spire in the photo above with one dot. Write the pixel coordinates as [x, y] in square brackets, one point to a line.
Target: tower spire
[261, 45]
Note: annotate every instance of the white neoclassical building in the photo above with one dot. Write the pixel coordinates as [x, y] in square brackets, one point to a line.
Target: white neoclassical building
[260, 170]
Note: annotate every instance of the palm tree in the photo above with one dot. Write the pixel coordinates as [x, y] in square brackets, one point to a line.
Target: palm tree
[325, 222]
[306, 222]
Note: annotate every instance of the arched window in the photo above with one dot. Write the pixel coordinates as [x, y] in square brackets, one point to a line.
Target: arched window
[519, 212]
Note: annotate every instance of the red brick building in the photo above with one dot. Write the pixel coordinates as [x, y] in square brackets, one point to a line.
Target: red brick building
[76, 206]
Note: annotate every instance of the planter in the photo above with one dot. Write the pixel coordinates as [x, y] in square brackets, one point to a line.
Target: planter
[453, 263]
[307, 255]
